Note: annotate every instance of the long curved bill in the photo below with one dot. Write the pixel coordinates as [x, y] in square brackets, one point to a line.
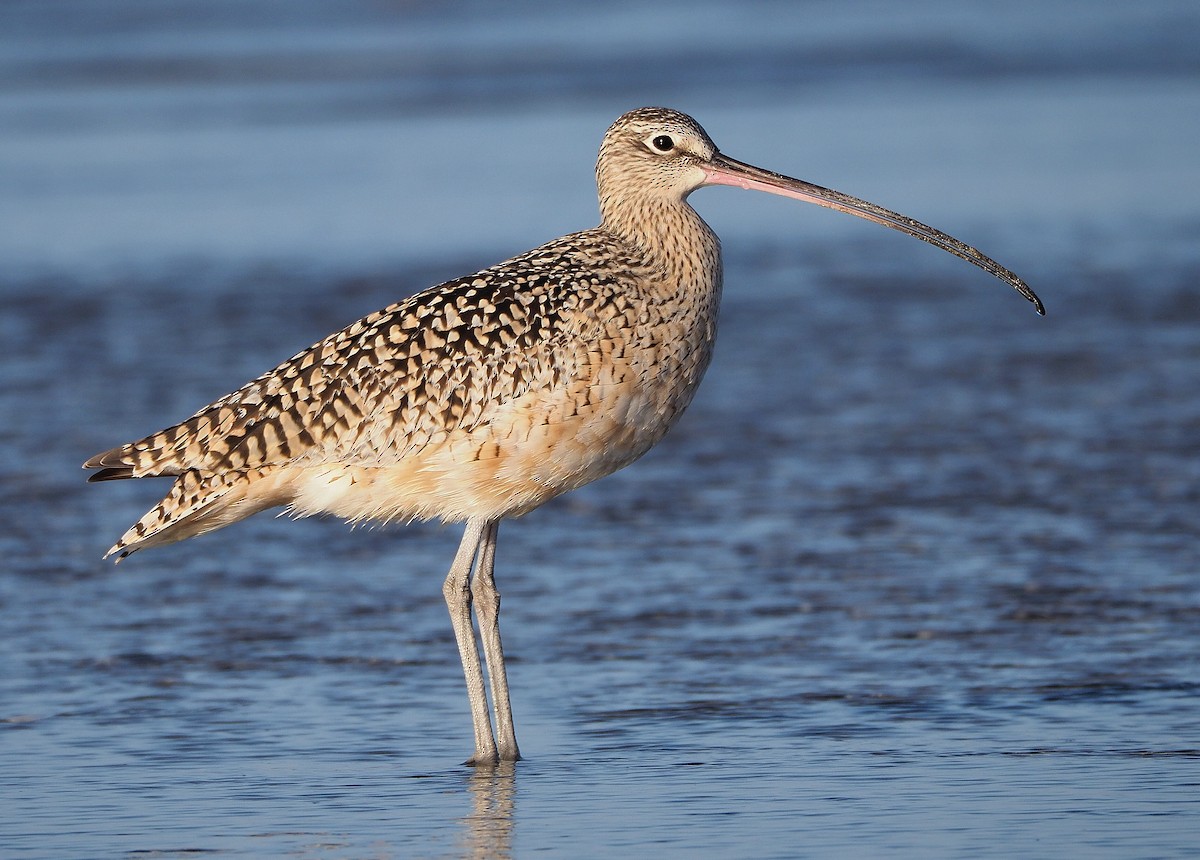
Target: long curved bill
[722, 170]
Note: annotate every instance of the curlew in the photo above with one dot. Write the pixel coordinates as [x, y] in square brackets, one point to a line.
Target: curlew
[486, 396]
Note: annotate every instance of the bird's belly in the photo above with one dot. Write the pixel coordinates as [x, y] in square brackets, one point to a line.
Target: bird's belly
[527, 452]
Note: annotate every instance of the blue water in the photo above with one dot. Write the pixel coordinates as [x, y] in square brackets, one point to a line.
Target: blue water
[917, 575]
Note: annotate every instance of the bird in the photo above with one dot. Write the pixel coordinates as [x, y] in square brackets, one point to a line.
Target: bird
[482, 398]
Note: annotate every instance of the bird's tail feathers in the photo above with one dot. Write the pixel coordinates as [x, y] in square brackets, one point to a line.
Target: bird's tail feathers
[196, 504]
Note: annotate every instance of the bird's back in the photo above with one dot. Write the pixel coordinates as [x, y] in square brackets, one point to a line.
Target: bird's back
[486, 395]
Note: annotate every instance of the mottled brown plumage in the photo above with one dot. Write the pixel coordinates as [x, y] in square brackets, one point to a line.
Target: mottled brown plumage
[486, 396]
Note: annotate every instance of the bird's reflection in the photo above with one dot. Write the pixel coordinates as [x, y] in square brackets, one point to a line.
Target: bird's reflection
[487, 830]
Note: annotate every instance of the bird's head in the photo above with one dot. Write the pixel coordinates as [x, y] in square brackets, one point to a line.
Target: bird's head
[653, 152]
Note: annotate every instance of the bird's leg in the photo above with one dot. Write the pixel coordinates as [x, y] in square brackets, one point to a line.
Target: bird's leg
[486, 600]
[457, 590]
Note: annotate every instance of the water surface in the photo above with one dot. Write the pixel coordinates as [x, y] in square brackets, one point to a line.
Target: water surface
[917, 574]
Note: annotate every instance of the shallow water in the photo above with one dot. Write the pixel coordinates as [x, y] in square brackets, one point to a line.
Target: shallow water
[916, 575]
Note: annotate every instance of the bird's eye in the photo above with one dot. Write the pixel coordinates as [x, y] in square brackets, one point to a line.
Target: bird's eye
[663, 143]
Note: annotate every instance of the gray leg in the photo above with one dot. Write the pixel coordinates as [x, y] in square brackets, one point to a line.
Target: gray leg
[487, 608]
[457, 590]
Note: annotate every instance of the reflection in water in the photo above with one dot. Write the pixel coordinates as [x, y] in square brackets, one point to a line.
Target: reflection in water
[487, 831]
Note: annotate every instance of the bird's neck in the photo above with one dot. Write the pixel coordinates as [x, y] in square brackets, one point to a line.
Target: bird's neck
[671, 237]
